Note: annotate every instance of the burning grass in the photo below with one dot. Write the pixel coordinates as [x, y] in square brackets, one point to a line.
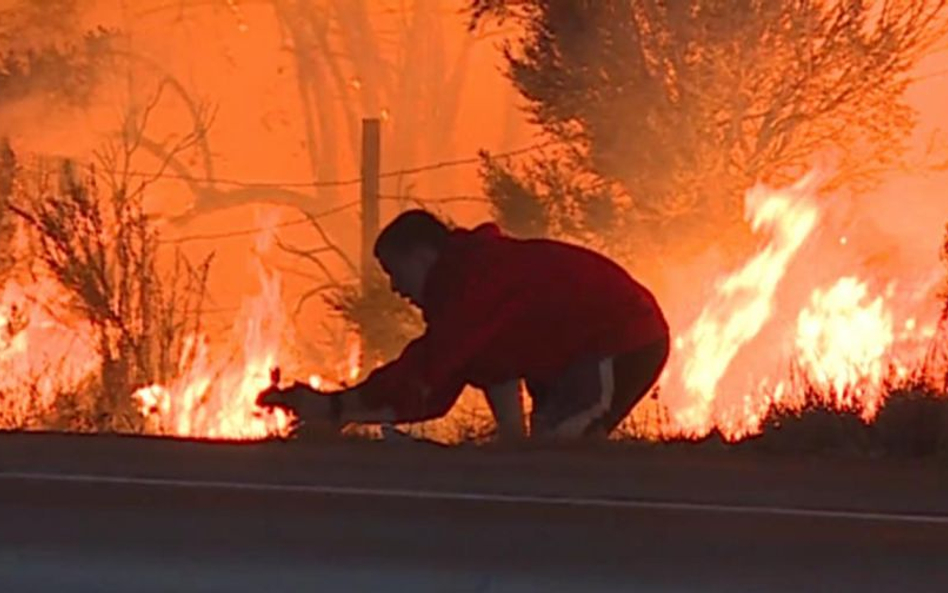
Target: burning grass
[799, 349]
[908, 415]
[900, 411]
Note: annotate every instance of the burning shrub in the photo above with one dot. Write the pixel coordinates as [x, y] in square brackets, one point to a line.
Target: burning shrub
[100, 248]
[685, 105]
[912, 416]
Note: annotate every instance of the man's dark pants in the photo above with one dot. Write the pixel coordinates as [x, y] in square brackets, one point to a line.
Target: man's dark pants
[592, 396]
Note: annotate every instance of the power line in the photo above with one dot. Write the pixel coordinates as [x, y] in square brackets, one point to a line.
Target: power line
[337, 182]
[301, 221]
[438, 200]
[256, 230]
[315, 184]
[250, 231]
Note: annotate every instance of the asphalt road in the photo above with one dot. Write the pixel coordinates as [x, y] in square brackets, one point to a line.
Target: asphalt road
[125, 514]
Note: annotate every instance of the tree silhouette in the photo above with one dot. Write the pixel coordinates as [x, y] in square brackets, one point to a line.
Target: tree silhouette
[43, 54]
[678, 107]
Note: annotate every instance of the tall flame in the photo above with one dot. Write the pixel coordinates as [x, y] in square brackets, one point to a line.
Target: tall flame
[741, 305]
[214, 399]
[848, 340]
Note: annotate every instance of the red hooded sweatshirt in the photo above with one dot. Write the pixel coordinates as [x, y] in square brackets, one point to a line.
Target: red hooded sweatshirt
[500, 309]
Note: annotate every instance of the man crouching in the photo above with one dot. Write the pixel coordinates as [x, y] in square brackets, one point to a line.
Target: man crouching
[587, 339]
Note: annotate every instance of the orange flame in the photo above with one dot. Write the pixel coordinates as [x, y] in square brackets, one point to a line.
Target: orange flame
[741, 305]
[848, 342]
[849, 349]
[42, 355]
[850, 331]
[219, 400]
[841, 343]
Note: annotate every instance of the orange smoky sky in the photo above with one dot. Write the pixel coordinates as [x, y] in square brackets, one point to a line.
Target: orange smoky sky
[288, 83]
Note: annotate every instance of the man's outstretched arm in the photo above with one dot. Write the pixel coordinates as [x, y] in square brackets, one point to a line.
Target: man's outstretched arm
[345, 406]
[425, 380]
[396, 392]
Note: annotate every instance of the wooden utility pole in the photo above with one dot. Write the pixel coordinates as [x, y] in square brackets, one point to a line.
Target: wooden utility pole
[7, 219]
[371, 157]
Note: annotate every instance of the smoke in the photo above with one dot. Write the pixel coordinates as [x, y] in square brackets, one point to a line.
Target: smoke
[245, 67]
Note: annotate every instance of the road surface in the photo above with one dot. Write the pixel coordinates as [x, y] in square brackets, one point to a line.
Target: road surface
[132, 514]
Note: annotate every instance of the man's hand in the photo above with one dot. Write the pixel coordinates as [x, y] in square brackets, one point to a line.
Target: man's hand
[308, 404]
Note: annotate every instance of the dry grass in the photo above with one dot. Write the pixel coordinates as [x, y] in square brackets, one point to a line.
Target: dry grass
[914, 422]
